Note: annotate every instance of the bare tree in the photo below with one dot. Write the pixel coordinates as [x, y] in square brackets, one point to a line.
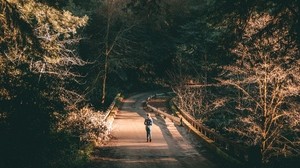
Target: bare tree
[112, 11]
[190, 99]
[267, 75]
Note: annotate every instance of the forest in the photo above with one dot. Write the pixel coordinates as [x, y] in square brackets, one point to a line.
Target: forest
[233, 65]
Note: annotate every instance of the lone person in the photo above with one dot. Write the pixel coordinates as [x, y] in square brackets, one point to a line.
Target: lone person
[148, 123]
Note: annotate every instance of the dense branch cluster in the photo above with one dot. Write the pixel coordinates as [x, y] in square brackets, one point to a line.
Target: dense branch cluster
[56, 32]
[38, 39]
[255, 99]
[266, 74]
[87, 124]
[191, 100]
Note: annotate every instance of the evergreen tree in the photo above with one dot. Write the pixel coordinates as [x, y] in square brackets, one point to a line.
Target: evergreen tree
[37, 57]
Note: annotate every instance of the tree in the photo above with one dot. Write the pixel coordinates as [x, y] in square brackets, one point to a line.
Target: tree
[107, 43]
[37, 61]
[267, 75]
[197, 61]
[257, 45]
[112, 37]
[129, 43]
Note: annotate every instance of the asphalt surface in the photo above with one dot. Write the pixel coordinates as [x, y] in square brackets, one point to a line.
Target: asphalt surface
[171, 144]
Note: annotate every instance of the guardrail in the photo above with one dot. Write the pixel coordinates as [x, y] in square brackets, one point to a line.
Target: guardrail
[233, 151]
[226, 148]
[108, 116]
[111, 106]
[171, 117]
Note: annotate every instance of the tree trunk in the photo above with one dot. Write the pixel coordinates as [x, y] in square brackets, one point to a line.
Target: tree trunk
[104, 79]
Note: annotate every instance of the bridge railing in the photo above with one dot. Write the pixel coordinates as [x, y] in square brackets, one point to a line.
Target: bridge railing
[112, 106]
[171, 117]
[235, 150]
[157, 110]
[226, 148]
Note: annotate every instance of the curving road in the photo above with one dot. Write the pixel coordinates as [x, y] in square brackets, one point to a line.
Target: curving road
[170, 146]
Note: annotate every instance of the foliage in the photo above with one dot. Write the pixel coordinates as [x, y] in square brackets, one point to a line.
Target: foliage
[86, 124]
[256, 98]
[197, 62]
[37, 60]
[130, 45]
[138, 44]
[266, 75]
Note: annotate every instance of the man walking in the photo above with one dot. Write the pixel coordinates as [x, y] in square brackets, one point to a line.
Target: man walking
[148, 123]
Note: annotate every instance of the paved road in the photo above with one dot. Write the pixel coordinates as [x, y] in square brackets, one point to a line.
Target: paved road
[129, 149]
